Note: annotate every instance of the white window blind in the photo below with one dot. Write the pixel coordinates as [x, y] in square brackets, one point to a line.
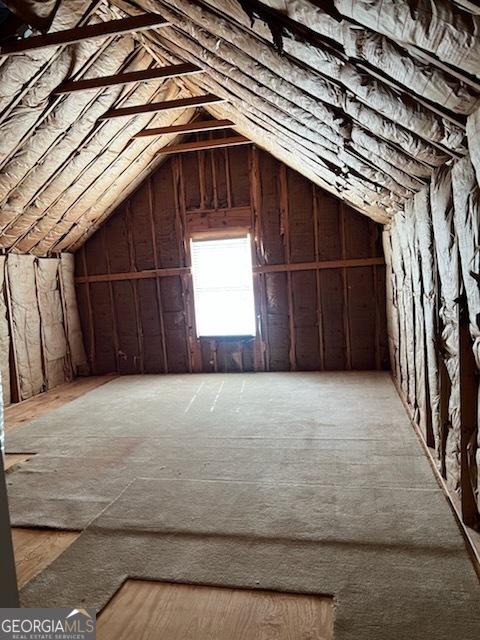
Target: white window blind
[223, 287]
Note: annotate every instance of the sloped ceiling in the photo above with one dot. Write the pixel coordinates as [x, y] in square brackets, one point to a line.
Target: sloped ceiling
[364, 97]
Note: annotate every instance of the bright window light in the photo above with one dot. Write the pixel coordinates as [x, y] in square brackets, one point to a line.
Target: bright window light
[223, 287]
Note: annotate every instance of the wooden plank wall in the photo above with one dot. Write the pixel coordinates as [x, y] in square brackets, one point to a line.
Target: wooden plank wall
[433, 271]
[319, 273]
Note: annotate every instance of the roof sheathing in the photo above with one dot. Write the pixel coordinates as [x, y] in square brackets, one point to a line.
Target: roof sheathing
[350, 102]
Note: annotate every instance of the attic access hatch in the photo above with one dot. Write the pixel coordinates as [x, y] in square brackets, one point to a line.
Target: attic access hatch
[223, 287]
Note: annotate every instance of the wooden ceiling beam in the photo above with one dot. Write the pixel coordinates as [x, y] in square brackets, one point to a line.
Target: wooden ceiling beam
[190, 127]
[145, 75]
[87, 32]
[153, 107]
[200, 145]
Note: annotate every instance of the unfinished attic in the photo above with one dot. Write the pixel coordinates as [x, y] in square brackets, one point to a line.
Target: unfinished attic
[240, 319]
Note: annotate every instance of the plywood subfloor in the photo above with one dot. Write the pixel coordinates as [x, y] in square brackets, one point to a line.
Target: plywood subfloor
[35, 549]
[22, 412]
[153, 610]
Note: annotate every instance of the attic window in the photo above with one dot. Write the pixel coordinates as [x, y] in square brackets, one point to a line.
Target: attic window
[223, 287]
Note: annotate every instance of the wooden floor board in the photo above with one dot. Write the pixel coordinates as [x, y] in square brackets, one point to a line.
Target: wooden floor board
[153, 610]
[11, 459]
[35, 549]
[21, 412]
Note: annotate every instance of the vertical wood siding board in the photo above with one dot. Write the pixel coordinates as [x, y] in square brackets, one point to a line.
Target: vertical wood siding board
[132, 246]
[264, 320]
[218, 159]
[332, 304]
[301, 248]
[164, 192]
[164, 215]
[209, 180]
[239, 178]
[329, 222]
[256, 207]
[95, 255]
[143, 256]
[321, 347]
[200, 158]
[272, 249]
[304, 294]
[187, 164]
[78, 267]
[115, 338]
[91, 337]
[286, 236]
[127, 327]
[277, 320]
[228, 177]
[158, 298]
[466, 197]
[446, 247]
[194, 353]
[346, 319]
[180, 213]
[258, 214]
[361, 312]
[213, 171]
[300, 218]
[357, 235]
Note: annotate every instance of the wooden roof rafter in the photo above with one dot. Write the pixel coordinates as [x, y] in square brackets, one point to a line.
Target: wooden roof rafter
[187, 53]
[155, 107]
[132, 77]
[202, 145]
[195, 126]
[327, 121]
[95, 131]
